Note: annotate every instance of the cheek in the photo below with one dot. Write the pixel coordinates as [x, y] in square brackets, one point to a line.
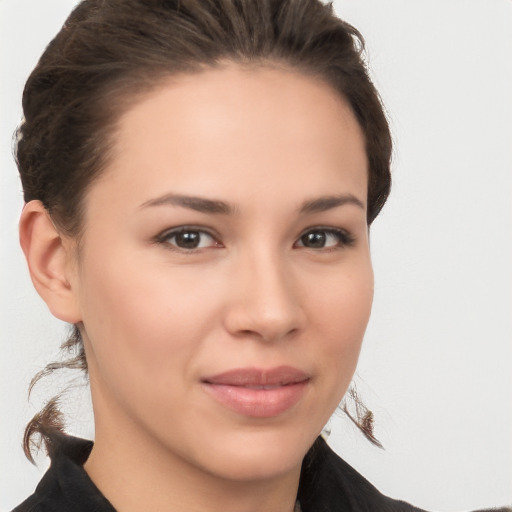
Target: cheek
[342, 310]
[141, 336]
[138, 315]
[344, 299]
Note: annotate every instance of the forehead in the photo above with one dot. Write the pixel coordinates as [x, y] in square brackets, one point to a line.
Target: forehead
[231, 128]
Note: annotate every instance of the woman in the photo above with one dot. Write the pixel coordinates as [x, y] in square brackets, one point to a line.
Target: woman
[208, 252]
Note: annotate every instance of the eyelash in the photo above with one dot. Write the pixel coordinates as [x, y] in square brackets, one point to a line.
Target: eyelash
[345, 239]
[164, 238]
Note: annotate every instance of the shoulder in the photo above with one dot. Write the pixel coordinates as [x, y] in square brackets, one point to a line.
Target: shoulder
[66, 486]
[329, 484]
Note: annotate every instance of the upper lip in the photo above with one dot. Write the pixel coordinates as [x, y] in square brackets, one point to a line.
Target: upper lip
[278, 376]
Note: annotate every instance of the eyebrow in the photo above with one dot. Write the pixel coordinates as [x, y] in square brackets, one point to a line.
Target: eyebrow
[199, 204]
[216, 206]
[325, 203]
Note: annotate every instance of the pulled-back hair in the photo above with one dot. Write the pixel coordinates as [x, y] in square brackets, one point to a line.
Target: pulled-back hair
[110, 51]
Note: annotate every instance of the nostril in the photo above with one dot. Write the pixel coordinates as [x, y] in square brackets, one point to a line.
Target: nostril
[264, 304]
[267, 333]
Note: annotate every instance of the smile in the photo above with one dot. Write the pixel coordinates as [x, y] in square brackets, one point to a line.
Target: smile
[258, 393]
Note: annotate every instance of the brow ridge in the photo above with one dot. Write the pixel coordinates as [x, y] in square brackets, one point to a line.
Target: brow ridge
[322, 204]
[216, 206]
[200, 204]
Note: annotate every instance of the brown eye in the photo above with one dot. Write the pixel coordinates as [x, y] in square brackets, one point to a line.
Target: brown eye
[188, 239]
[325, 239]
[314, 239]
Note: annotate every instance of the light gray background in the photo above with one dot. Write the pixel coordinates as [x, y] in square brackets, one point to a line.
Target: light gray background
[436, 364]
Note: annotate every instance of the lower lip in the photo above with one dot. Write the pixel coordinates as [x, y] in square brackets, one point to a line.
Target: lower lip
[257, 403]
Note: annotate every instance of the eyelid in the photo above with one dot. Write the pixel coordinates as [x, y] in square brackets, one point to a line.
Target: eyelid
[346, 238]
[163, 237]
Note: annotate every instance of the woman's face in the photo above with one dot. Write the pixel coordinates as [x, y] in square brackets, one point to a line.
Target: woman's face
[224, 283]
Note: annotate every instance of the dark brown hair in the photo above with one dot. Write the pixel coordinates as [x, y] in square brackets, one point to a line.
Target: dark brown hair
[109, 51]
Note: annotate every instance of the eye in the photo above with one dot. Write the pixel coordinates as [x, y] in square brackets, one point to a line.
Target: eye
[325, 238]
[188, 239]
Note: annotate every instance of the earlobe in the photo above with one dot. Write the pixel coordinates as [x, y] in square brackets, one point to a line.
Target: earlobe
[48, 262]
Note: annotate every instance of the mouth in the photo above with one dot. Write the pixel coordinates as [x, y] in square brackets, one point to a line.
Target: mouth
[258, 393]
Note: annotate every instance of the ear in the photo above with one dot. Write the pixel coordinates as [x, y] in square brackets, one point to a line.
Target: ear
[49, 260]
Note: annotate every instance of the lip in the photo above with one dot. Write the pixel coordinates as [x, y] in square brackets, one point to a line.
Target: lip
[258, 393]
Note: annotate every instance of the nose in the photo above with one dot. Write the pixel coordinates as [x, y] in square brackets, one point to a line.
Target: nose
[265, 301]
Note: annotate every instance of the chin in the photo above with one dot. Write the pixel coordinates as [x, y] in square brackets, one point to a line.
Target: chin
[258, 454]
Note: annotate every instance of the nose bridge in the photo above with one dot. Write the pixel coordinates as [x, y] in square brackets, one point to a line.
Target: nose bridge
[266, 303]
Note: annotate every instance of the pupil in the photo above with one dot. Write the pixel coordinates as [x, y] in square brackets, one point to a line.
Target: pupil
[315, 240]
[188, 239]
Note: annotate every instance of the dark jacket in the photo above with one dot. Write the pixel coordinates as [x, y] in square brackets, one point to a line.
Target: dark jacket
[327, 484]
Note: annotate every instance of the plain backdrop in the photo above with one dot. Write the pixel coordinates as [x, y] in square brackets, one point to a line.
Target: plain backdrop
[436, 363]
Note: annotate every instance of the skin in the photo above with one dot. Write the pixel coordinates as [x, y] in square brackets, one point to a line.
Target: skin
[156, 318]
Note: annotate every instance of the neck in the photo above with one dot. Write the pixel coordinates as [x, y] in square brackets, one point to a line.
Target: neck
[140, 474]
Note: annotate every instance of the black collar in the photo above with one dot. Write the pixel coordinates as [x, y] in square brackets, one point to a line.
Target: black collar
[327, 484]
